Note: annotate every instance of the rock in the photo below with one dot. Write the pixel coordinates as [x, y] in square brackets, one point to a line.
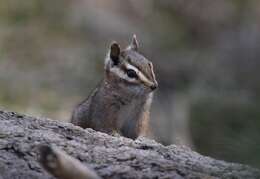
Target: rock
[110, 157]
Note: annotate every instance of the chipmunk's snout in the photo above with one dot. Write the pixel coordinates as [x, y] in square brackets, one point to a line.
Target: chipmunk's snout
[154, 86]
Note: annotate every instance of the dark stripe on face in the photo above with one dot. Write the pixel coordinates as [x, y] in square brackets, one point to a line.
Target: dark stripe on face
[144, 72]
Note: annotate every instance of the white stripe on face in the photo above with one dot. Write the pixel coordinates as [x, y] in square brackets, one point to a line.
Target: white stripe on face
[141, 76]
[121, 74]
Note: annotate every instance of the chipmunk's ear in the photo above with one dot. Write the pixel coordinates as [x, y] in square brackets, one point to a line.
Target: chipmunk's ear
[134, 44]
[114, 52]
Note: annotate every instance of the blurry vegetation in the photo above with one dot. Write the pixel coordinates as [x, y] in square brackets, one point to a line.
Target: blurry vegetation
[231, 129]
[206, 57]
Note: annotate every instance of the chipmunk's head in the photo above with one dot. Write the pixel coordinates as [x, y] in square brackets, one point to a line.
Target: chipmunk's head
[129, 69]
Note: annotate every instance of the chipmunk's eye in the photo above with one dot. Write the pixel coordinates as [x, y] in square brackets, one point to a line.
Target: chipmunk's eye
[131, 73]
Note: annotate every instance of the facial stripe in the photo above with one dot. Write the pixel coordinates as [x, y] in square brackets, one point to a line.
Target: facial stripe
[148, 72]
[152, 72]
[107, 60]
[121, 74]
[141, 76]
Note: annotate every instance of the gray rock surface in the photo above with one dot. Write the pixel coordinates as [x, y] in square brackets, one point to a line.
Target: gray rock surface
[110, 157]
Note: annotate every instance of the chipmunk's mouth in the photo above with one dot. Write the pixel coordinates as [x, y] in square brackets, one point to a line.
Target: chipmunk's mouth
[153, 87]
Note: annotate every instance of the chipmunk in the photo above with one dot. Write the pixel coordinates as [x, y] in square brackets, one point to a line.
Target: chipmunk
[121, 102]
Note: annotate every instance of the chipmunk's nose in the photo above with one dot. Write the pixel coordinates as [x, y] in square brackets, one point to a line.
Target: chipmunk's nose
[154, 86]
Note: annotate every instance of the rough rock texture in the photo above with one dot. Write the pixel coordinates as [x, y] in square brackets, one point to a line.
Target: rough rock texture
[110, 157]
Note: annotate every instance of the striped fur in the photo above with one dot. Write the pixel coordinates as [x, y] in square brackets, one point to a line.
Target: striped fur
[121, 103]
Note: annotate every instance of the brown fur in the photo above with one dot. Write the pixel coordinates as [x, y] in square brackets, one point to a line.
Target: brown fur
[118, 105]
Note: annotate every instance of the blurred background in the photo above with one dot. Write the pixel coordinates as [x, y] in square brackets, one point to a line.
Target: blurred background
[205, 54]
